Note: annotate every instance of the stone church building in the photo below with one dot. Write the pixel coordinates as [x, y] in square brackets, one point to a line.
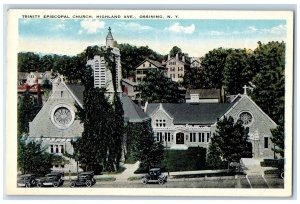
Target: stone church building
[56, 125]
[183, 125]
[177, 126]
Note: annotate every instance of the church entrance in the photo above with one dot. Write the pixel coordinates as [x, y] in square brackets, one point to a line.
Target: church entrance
[180, 138]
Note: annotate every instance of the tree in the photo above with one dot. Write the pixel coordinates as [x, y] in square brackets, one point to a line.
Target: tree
[27, 110]
[175, 50]
[142, 146]
[101, 143]
[213, 64]
[278, 139]
[237, 71]
[230, 142]
[28, 61]
[156, 87]
[32, 158]
[269, 82]
[194, 78]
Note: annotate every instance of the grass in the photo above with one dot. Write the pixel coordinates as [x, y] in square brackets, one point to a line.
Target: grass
[109, 178]
[182, 160]
[120, 170]
[134, 178]
[129, 159]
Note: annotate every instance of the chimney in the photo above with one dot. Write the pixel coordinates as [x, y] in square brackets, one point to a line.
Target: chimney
[176, 56]
[183, 58]
[168, 57]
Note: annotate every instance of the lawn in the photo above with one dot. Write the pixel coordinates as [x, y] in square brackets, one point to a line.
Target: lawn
[184, 160]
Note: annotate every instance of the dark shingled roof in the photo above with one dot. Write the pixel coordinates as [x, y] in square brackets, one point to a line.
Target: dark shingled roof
[77, 90]
[132, 112]
[204, 93]
[187, 113]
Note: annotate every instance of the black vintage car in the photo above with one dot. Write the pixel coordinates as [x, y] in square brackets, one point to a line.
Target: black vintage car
[154, 176]
[84, 179]
[27, 180]
[52, 179]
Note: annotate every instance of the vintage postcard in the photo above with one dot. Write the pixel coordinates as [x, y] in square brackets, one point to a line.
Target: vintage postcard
[149, 102]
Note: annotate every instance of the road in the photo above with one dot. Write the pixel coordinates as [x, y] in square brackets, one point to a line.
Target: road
[256, 182]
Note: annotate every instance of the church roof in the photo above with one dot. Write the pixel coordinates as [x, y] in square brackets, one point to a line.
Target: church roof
[187, 113]
[132, 112]
[109, 35]
[204, 93]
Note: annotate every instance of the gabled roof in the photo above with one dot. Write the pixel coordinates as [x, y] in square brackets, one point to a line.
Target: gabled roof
[155, 63]
[131, 83]
[132, 112]
[77, 91]
[187, 113]
[204, 93]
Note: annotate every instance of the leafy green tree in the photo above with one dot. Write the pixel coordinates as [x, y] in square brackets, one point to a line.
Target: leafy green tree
[27, 110]
[156, 87]
[194, 78]
[32, 158]
[213, 64]
[230, 142]
[46, 63]
[142, 146]
[213, 159]
[269, 82]
[175, 50]
[101, 143]
[278, 139]
[237, 71]
[28, 61]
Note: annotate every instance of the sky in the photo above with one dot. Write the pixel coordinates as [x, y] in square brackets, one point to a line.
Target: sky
[194, 36]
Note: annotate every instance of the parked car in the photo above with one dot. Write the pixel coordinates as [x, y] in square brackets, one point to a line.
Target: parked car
[27, 180]
[52, 179]
[154, 176]
[84, 179]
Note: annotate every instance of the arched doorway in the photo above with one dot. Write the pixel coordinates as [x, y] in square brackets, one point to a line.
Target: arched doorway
[180, 138]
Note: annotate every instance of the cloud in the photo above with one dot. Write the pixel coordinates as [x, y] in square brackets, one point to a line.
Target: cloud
[60, 26]
[177, 28]
[278, 29]
[136, 26]
[252, 29]
[92, 26]
[216, 33]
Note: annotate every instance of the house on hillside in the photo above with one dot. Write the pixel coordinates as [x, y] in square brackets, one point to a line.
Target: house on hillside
[144, 67]
[176, 68]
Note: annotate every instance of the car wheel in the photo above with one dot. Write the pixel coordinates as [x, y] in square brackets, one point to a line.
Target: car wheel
[39, 184]
[33, 182]
[27, 185]
[144, 181]
[282, 175]
[88, 183]
[55, 184]
[72, 184]
[161, 181]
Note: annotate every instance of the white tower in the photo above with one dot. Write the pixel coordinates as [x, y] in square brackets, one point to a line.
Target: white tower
[102, 75]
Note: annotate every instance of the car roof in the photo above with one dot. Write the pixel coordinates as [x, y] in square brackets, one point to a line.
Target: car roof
[53, 174]
[87, 172]
[26, 175]
[155, 169]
